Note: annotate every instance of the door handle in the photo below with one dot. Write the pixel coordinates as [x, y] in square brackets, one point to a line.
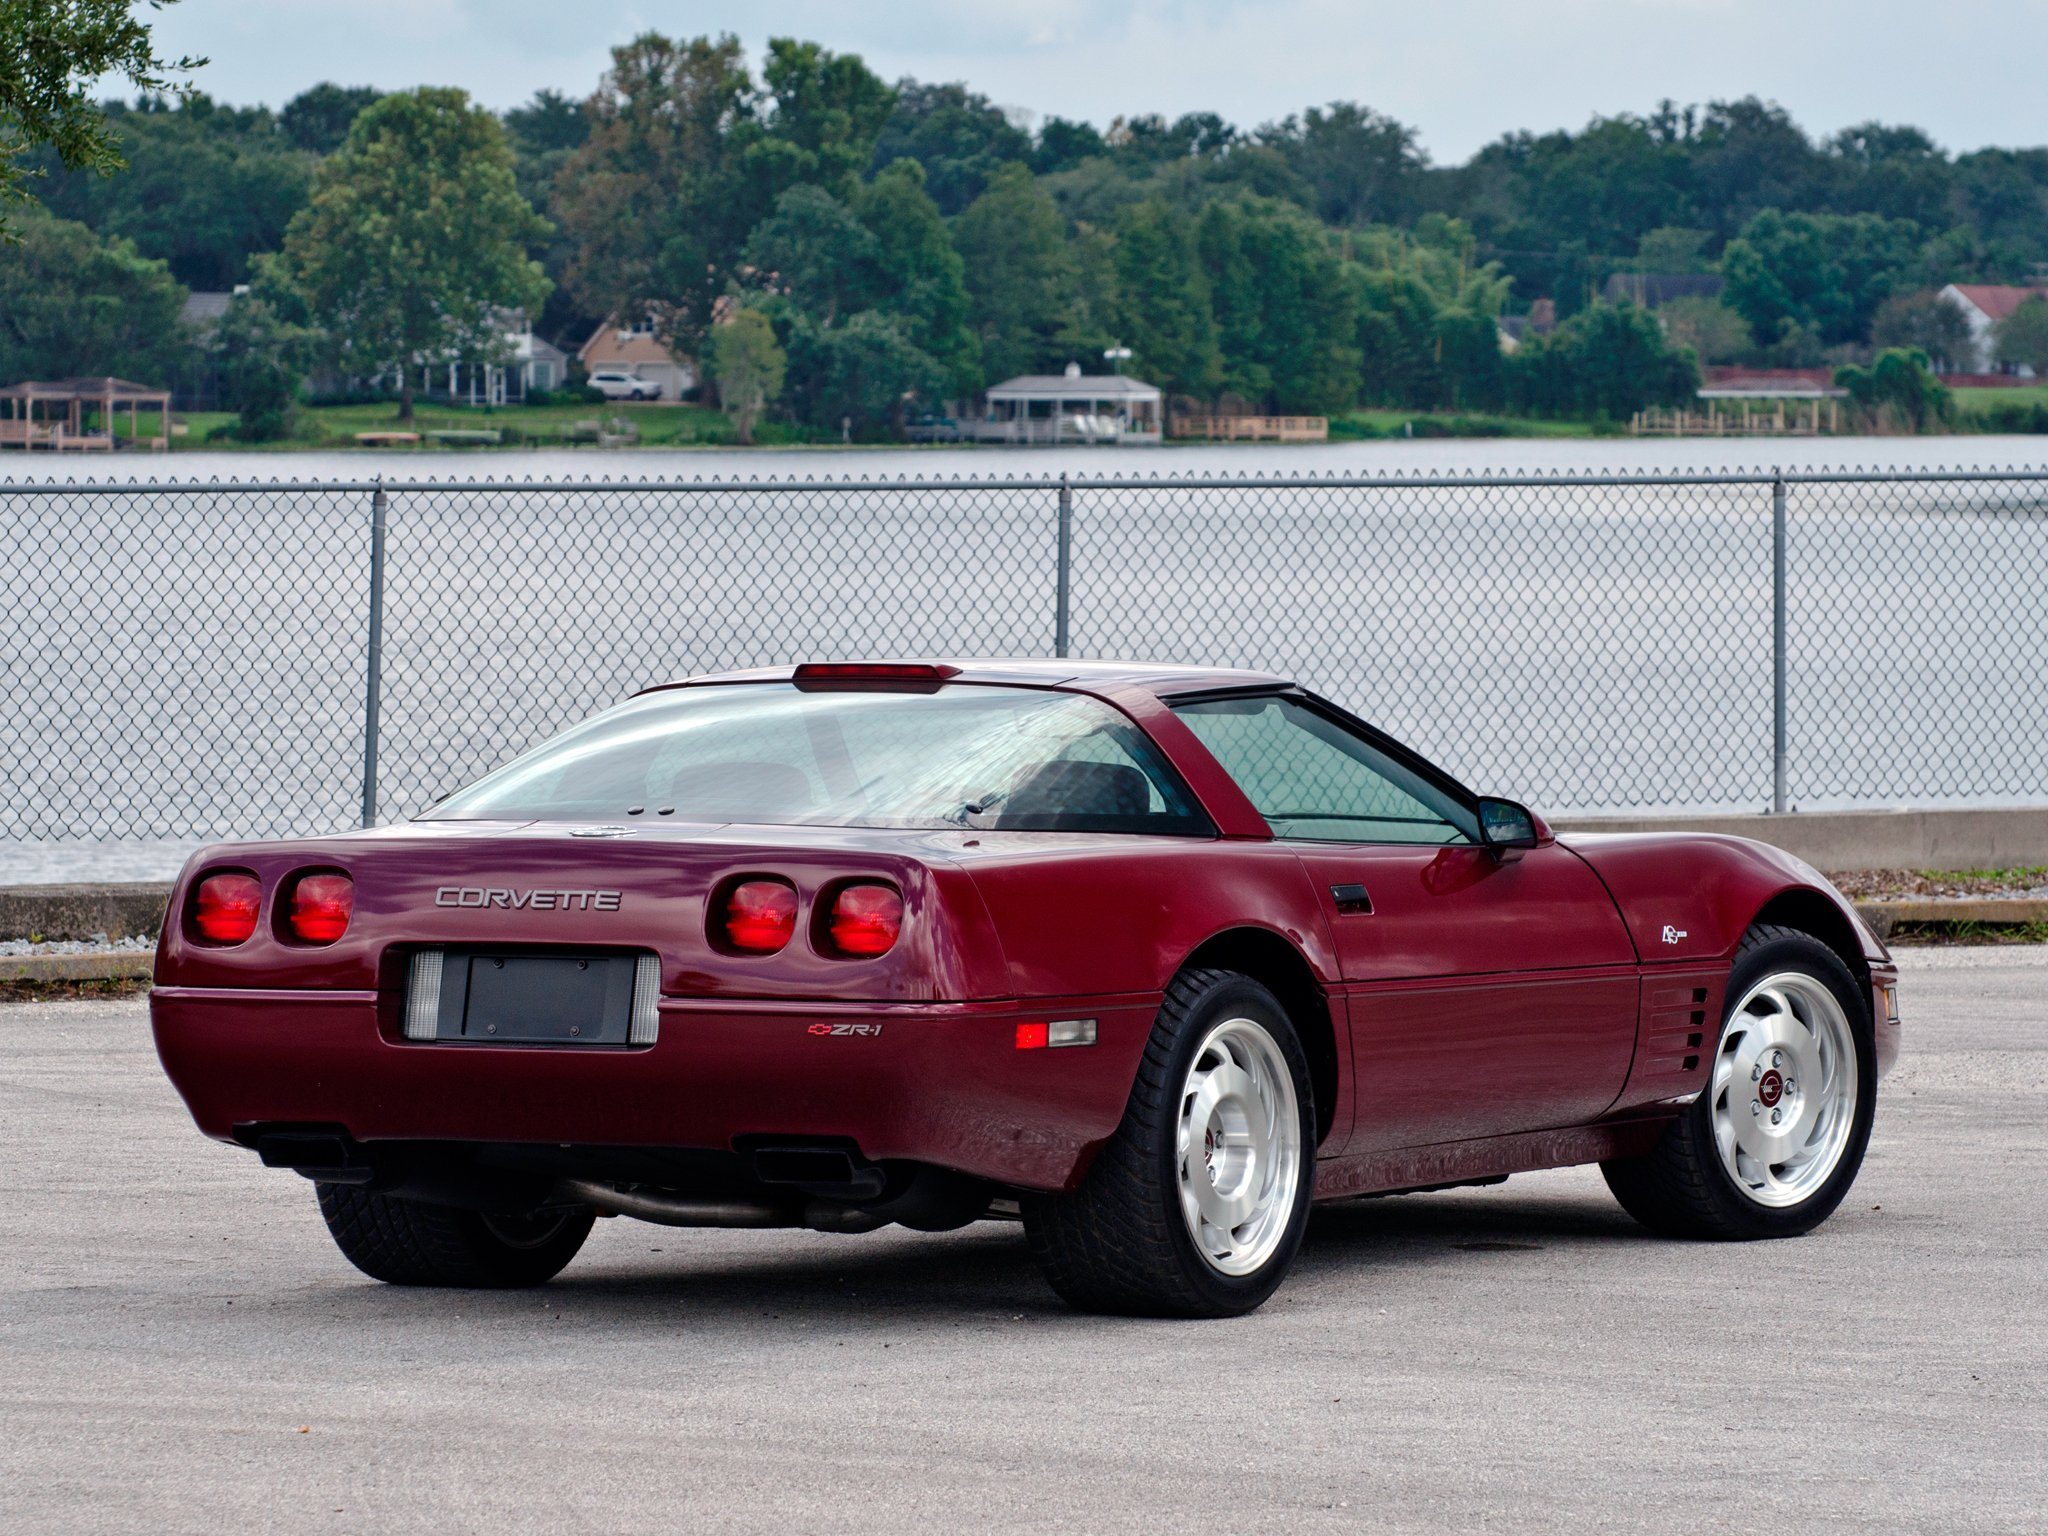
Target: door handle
[1352, 899]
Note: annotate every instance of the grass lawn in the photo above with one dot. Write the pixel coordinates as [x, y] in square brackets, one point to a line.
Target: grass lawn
[2019, 394]
[1377, 424]
[523, 426]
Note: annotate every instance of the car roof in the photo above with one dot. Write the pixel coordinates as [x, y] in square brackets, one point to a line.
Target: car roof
[1039, 672]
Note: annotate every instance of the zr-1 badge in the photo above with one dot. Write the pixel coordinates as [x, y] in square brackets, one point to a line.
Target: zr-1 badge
[846, 1029]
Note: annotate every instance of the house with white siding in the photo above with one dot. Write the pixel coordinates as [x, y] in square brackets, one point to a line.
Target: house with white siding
[1986, 306]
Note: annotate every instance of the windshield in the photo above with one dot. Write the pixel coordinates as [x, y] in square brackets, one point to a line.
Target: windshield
[956, 756]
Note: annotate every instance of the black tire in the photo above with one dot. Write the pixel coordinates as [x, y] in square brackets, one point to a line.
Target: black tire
[408, 1242]
[1118, 1242]
[1681, 1188]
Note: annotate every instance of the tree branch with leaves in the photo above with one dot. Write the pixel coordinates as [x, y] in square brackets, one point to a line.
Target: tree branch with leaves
[51, 53]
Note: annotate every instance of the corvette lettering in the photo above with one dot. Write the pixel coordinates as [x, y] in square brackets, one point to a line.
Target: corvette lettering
[521, 901]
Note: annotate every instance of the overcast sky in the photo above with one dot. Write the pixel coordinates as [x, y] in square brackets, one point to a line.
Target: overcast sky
[1459, 71]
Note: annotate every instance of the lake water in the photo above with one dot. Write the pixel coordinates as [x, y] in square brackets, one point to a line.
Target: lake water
[190, 664]
[1620, 455]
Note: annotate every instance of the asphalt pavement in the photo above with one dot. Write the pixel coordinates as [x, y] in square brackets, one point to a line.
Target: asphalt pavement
[182, 1349]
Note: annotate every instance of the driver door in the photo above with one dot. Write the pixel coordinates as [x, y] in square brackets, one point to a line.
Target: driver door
[1486, 995]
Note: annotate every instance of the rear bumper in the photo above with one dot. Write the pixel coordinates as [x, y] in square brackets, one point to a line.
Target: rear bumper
[934, 1083]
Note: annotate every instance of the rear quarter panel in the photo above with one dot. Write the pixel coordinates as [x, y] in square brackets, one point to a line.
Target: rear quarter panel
[1089, 914]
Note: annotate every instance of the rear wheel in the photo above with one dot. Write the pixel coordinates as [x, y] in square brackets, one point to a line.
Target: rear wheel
[1775, 1139]
[1196, 1206]
[407, 1242]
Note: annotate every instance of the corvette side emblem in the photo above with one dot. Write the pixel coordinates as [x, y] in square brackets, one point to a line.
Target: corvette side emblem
[1672, 935]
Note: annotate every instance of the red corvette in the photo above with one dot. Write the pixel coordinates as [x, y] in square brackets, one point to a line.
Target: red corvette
[1151, 957]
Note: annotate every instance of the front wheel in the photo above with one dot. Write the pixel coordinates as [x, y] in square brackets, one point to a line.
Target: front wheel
[1196, 1206]
[1775, 1139]
[408, 1242]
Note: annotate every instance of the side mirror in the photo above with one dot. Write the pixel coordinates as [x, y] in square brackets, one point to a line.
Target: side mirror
[1506, 829]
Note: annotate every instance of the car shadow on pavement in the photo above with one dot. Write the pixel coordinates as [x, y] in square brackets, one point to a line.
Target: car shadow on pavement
[1390, 1233]
[983, 1274]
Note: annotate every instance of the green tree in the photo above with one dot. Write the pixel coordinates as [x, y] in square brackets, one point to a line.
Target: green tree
[52, 52]
[1608, 360]
[207, 187]
[1164, 314]
[416, 239]
[957, 136]
[1285, 308]
[829, 107]
[1468, 352]
[1063, 144]
[1710, 329]
[1361, 167]
[815, 252]
[660, 197]
[1822, 270]
[72, 304]
[2022, 337]
[1670, 248]
[1396, 332]
[263, 358]
[748, 365]
[545, 132]
[1019, 272]
[919, 271]
[1929, 322]
[1897, 392]
[317, 120]
[865, 373]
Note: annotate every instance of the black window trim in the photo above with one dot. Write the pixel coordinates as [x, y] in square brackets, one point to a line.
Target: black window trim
[1337, 715]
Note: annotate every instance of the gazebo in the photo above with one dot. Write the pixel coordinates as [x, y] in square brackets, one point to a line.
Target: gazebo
[21, 427]
[1070, 407]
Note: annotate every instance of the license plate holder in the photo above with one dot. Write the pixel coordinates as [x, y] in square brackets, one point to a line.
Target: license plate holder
[492, 996]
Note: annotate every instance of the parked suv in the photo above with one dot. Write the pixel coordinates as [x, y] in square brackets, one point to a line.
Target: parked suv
[614, 385]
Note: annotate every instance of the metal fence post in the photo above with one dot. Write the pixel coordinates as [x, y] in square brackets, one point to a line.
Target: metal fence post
[1778, 806]
[1065, 578]
[373, 666]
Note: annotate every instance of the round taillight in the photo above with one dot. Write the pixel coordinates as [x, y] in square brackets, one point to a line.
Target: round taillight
[224, 907]
[865, 920]
[321, 906]
[760, 916]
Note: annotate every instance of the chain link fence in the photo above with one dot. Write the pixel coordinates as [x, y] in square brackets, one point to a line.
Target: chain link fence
[187, 660]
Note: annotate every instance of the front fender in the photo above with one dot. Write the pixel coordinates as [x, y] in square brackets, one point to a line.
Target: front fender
[1690, 896]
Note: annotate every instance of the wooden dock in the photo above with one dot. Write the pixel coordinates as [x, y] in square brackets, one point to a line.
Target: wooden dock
[1771, 418]
[1250, 429]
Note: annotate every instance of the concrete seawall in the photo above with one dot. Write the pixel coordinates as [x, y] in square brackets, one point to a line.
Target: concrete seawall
[1832, 841]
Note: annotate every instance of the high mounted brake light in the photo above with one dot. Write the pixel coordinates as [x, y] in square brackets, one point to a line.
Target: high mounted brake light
[928, 672]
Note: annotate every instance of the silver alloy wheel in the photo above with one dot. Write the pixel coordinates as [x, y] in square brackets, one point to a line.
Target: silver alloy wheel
[1238, 1147]
[1784, 1091]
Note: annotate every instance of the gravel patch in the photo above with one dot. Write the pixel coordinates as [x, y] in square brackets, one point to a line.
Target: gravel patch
[98, 944]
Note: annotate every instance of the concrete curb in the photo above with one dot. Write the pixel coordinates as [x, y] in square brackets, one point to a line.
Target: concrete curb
[82, 911]
[99, 967]
[1884, 916]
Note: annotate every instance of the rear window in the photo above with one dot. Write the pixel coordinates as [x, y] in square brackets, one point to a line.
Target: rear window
[958, 756]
